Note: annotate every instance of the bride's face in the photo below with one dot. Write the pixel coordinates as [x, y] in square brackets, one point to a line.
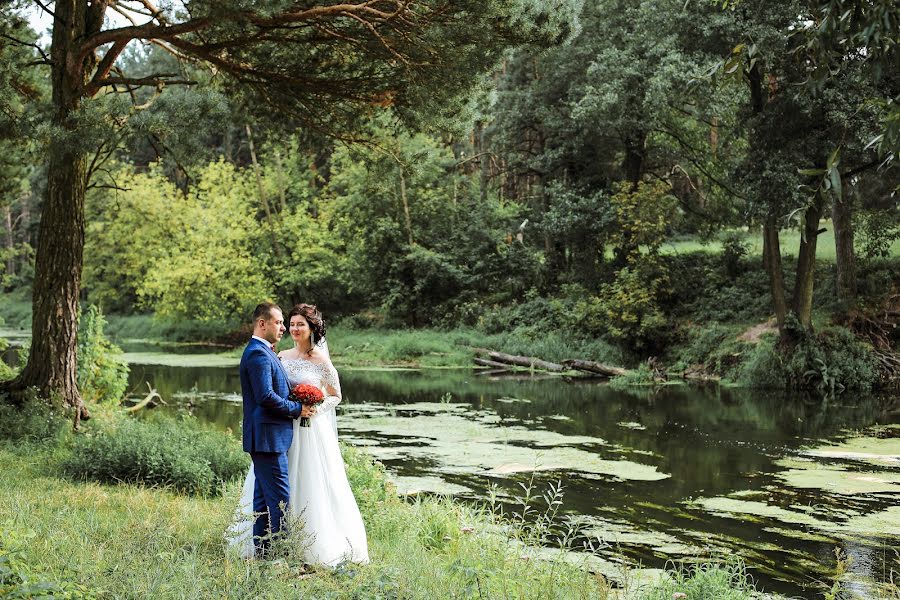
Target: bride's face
[299, 329]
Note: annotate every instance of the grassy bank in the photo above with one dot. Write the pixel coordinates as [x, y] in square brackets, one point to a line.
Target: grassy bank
[85, 539]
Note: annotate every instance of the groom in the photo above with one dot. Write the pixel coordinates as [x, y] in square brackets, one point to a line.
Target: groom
[268, 430]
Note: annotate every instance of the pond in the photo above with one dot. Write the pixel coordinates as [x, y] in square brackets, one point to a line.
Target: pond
[650, 477]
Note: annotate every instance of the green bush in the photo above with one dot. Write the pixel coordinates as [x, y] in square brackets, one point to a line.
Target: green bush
[35, 420]
[167, 453]
[102, 373]
[6, 371]
[734, 249]
[828, 361]
[629, 311]
[713, 345]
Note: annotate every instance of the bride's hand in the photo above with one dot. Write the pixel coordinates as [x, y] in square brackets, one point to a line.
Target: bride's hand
[307, 411]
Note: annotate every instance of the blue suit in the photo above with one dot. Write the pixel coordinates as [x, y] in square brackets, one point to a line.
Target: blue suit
[268, 432]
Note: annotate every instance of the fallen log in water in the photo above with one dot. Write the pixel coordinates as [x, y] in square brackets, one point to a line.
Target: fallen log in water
[529, 362]
[590, 366]
[483, 362]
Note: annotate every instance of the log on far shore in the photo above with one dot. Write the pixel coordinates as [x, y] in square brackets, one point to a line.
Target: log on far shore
[590, 366]
[483, 362]
[528, 362]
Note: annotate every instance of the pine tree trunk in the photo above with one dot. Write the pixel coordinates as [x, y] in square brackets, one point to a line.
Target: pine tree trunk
[51, 366]
[806, 265]
[845, 258]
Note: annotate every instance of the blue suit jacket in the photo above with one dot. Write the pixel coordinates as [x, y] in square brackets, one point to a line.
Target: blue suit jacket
[267, 412]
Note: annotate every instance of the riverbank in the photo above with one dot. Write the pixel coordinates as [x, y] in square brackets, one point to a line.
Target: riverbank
[88, 540]
[718, 326]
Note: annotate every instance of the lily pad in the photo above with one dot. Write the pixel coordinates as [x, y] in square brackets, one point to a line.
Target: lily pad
[836, 479]
[465, 443]
[871, 450]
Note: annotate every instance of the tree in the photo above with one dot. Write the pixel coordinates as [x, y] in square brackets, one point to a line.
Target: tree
[793, 167]
[331, 64]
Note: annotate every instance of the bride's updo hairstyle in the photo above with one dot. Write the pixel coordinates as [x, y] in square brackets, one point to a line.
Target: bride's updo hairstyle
[313, 316]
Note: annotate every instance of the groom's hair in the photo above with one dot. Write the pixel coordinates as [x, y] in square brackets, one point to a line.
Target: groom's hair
[264, 311]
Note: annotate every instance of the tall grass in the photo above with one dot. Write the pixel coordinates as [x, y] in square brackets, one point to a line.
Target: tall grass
[128, 541]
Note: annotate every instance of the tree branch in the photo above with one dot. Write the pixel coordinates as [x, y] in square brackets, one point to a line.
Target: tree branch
[29, 44]
[152, 80]
[45, 9]
[104, 67]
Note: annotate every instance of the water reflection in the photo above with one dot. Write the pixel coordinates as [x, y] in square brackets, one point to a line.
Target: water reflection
[662, 474]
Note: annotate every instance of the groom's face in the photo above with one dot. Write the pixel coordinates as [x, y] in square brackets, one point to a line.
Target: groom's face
[273, 328]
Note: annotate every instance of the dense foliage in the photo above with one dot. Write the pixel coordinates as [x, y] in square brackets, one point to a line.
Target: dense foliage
[543, 203]
[165, 454]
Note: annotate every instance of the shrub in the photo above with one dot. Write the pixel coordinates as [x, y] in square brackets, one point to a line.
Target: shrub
[6, 371]
[831, 360]
[102, 373]
[168, 453]
[734, 249]
[629, 310]
[35, 420]
[642, 375]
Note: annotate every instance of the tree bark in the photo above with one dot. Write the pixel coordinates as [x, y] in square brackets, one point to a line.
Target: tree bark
[772, 262]
[521, 361]
[597, 368]
[806, 265]
[51, 366]
[845, 257]
[406, 215]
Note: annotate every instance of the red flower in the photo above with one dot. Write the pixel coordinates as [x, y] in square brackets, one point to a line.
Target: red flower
[308, 395]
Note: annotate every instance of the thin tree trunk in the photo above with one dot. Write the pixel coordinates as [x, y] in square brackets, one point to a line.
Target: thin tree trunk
[806, 265]
[262, 194]
[403, 198]
[845, 257]
[772, 261]
[10, 241]
[633, 163]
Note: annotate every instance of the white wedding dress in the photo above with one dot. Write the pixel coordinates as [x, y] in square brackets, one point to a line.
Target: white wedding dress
[333, 529]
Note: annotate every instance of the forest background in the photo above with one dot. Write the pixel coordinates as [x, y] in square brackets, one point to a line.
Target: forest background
[667, 183]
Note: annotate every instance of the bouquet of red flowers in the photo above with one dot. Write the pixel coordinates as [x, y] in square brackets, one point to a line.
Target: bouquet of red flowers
[307, 395]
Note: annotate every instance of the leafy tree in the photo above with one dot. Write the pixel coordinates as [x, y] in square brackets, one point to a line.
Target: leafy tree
[328, 63]
[184, 255]
[420, 238]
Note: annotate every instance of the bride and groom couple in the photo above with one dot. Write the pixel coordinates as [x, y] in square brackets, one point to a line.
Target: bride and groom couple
[296, 469]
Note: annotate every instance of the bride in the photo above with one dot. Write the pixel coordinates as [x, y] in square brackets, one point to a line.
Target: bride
[320, 494]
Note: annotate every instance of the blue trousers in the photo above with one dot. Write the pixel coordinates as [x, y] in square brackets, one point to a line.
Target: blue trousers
[271, 493]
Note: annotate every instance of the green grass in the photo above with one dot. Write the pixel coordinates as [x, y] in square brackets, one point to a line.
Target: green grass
[126, 541]
[436, 348]
[789, 238]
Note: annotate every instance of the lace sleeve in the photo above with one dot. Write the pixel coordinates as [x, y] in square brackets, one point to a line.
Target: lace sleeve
[332, 386]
